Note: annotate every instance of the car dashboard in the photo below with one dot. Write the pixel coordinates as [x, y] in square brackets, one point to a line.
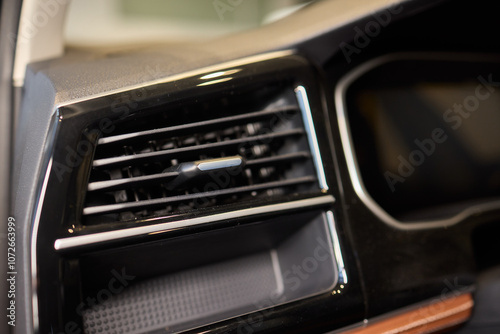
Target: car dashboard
[337, 171]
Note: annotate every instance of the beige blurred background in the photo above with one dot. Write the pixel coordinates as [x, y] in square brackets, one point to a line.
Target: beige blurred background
[120, 22]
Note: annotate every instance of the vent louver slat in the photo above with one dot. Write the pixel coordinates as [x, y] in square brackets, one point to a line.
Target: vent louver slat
[230, 191]
[148, 168]
[186, 151]
[133, 181]
[214, 123]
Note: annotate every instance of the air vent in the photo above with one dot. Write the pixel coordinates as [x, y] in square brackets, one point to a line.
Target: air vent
[201, 155]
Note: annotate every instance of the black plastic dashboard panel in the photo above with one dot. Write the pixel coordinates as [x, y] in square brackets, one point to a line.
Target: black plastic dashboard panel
[404, 263]
[395, 266]
[60, 276]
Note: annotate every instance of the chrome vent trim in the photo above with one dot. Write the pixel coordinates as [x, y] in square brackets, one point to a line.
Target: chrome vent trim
[96, 238]
[311, 135]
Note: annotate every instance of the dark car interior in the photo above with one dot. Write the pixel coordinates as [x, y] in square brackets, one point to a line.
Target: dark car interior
[333, 170]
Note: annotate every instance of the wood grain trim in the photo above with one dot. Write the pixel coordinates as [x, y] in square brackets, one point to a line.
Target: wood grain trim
[435, 316]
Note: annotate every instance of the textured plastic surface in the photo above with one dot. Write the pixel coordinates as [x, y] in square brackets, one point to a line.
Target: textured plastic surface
[300, 266]
[185, 296]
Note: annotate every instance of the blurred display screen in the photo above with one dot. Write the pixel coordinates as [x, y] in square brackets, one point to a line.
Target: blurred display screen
[427, 145]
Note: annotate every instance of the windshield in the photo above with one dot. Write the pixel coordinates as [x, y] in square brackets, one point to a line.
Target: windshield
[122, 22]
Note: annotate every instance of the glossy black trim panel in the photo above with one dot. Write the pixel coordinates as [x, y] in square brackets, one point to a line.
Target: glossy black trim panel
[84, 122]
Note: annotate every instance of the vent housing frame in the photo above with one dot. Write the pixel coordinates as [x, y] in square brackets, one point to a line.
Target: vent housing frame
[82, 123]
[237, 146]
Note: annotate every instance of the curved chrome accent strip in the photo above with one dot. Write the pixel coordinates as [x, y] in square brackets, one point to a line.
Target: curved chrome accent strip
[37, 213]
[78, 241]
[347, 145]
[336, 248]
[34, 239]
[300, 91]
